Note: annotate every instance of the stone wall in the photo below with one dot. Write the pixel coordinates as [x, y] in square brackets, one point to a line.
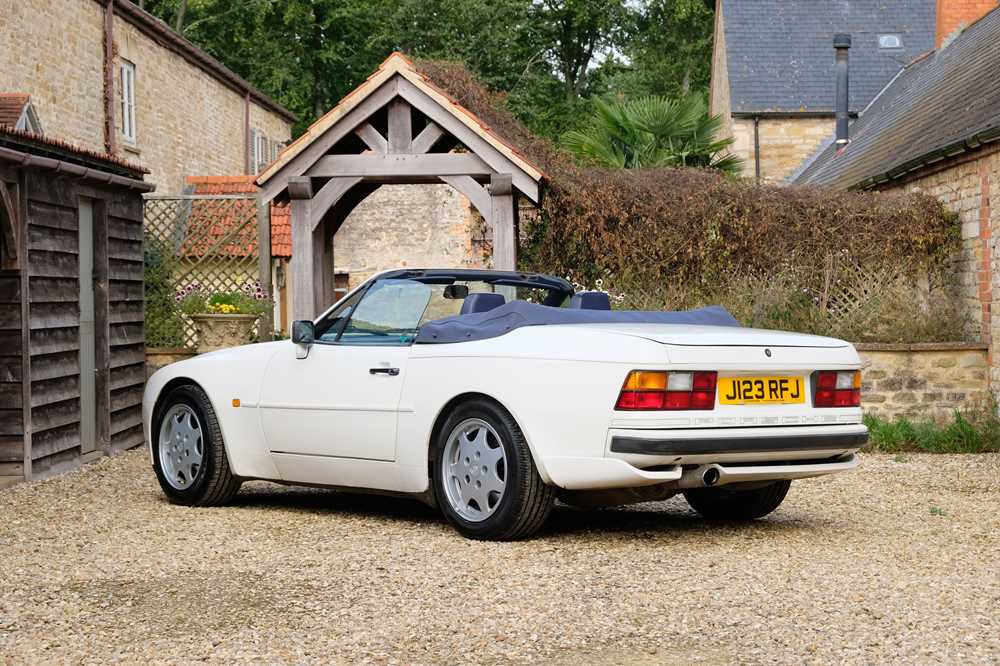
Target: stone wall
[965, 185]
[420, 226]
[187, 121]
[785, 143]
[157, 357]
[52, 50]
[923, 381]
[399, 226]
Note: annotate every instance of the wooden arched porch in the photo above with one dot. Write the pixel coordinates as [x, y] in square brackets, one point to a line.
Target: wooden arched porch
[396, 128]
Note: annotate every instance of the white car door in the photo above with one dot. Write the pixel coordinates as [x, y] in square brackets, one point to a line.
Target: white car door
[342, 400]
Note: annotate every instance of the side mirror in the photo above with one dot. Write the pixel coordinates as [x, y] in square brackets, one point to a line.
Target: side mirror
[303, 335]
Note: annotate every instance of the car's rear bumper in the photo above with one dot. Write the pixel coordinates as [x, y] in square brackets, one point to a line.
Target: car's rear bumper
[680, 458]
[726, 444]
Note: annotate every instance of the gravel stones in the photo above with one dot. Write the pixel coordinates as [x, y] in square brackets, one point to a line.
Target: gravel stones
[896, 561]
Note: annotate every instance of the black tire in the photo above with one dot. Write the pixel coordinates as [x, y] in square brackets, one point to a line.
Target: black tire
[214, 484]
[526, 502]
[727, 504]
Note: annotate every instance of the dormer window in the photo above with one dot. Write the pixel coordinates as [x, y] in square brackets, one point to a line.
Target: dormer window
[888, 42]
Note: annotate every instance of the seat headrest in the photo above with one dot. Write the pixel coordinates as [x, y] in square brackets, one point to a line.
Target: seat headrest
[590, 300]
[481, 302]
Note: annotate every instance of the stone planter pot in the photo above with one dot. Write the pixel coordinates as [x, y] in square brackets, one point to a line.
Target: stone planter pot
[217, 331]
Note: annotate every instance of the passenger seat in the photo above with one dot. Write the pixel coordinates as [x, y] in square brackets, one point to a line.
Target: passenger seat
[481, 302]
[590, 300]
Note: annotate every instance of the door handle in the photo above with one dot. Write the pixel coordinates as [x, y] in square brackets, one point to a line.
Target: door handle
[392, 372]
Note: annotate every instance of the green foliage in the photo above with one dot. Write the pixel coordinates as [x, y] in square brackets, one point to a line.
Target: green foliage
[791, 299]
[669, 50]
[975, 430]
[653, 132]
[690, 227]
[222, 302]
[163, 324]
[547, 56]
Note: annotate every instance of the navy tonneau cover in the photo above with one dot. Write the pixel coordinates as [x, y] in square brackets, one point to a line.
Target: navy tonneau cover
[507, 317]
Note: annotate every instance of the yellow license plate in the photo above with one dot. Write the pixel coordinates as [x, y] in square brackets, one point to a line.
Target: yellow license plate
[761, 391]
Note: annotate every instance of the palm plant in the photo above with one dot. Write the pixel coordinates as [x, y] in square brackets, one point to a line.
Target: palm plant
[653, 131]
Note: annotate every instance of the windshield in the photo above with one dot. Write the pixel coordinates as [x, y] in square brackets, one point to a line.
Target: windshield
[391, 310]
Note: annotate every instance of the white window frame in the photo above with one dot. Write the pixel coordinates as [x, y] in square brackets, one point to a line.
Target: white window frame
[885, 37]
[127, 80]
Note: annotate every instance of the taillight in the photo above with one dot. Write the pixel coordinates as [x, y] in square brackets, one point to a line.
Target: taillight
[837, 388]
[654, 390]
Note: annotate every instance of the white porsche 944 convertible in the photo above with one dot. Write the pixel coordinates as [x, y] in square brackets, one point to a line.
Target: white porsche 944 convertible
[443, 385]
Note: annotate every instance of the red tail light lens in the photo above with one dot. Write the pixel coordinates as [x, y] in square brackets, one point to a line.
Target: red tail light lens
[837, 388]
[646, 390]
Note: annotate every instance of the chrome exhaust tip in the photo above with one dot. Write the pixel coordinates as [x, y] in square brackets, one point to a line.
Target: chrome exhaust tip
[710, 477]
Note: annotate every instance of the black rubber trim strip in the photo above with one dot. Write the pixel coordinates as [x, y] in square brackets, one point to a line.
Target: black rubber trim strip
[683, 447]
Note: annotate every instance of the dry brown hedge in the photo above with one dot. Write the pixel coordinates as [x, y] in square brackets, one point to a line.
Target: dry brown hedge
[693, 226]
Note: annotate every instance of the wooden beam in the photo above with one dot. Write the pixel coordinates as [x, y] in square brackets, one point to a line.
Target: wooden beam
[307, 262]
[427, 138]
[474, 192]
[413, 168]
[266, 325]
[498, 162]
[321, 145]
[329, 195]
[400, 127]
[26, 348]
[300, 187]
[102, 328]
[503, 212]
[372, 138]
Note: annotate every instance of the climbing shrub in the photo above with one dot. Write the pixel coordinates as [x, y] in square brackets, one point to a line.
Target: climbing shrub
[869, 265]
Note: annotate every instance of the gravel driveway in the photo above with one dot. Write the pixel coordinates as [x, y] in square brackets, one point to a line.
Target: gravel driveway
[897, 561]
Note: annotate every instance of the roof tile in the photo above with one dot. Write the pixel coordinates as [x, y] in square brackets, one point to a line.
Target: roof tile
[222, 224]
[936, 103]
[11, 107]
[780, 52]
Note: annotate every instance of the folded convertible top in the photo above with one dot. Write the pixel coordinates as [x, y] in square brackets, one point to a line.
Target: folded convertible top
[507, 317]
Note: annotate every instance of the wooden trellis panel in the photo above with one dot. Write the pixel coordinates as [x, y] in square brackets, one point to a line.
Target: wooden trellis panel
[207, 242]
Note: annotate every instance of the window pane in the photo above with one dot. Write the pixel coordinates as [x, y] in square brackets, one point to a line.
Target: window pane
[128, 100]
[329, 327]
[389, 313]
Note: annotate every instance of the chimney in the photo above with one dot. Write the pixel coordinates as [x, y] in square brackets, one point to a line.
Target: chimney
[954, 15]
[841, 44]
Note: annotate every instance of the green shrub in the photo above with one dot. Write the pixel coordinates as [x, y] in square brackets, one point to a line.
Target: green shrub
[866, 310]
[223, 302]
[800, 258]
[164, 326]
[974, 430]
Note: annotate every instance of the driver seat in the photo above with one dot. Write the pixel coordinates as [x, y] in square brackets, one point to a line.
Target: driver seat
[481, 302]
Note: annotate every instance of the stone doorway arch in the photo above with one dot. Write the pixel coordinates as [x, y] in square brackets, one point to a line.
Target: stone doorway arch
[396, 128]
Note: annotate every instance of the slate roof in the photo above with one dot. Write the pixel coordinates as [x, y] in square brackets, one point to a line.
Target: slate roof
[780, 52]
[11, 107]
[221, 220]
[939, 106]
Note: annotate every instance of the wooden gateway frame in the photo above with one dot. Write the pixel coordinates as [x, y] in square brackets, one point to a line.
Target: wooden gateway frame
[396, 128]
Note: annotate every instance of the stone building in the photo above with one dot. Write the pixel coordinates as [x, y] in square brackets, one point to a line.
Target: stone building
[160, 102]
[936, 128]
[773, 70]
[106, 76]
